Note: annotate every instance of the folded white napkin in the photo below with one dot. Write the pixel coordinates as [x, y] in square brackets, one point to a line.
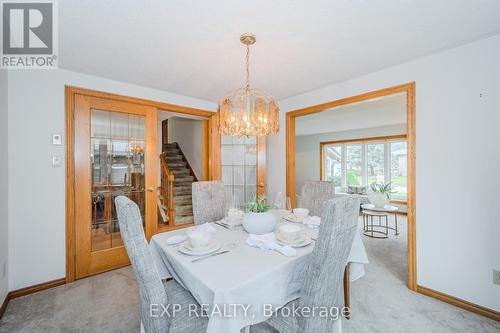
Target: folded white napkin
[312, 222]
[202, 228]
[268, 242]
[176, 239]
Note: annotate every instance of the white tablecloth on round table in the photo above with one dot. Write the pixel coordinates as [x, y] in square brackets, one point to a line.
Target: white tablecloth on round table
[246, 275]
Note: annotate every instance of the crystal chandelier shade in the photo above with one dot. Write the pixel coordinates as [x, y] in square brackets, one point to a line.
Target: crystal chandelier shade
[248, 111]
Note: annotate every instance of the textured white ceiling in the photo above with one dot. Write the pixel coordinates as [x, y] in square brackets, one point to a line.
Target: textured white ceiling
[384, 111]
[192, 47]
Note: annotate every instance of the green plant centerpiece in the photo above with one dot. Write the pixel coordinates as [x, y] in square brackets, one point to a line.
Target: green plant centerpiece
[258, 219]
[258, 205]
[380, 193]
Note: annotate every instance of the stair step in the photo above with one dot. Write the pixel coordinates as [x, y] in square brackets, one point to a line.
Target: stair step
[183, 179]
[176, 165]
[173, 157]
[182, 199]
[183, 219]
[170, 145]
[182, 190]
[180, 172]
[183, 210]
[185, 184]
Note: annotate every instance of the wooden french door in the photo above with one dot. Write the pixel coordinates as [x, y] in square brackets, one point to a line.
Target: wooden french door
[115, 153]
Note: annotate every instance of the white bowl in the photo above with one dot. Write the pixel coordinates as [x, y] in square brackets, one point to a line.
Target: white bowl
[300, 212]
[199, 239]
[259, 223]
[290, 232]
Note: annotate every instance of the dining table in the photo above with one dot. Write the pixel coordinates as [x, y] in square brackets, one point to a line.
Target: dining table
[240, 287]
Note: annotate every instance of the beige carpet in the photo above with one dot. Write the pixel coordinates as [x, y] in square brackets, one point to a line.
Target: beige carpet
[380, 302]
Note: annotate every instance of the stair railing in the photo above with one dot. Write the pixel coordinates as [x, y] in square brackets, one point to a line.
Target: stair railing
[167, 188]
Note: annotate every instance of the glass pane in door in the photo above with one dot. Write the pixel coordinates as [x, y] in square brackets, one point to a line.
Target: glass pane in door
[117, 158]
[239, 169]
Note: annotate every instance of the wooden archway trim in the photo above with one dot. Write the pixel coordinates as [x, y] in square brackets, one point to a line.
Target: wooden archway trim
[409, 89]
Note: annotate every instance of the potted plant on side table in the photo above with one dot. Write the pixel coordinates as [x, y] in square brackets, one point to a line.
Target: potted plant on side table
[258, 219]
[380, 194]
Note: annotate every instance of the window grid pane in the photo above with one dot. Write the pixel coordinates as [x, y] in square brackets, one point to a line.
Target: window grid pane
[398, 160]
[333, 164]
[375, 153]
[354, 164]
[367, 162]
[117, 164]
[239, 169]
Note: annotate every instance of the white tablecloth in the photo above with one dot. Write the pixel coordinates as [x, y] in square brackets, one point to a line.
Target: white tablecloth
[246, 275]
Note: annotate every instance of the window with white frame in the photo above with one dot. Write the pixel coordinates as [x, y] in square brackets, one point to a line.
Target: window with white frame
[367, 162]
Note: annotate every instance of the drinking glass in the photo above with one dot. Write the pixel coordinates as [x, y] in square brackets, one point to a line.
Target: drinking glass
[288, 204]
[279, 201]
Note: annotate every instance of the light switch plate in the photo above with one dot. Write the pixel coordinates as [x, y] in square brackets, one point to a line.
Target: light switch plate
[56, 161]
[56, 139]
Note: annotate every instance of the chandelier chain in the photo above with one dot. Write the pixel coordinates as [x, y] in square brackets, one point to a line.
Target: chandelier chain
[248, 66]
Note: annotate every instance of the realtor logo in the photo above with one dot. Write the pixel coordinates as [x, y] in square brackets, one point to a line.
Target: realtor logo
[28, 34]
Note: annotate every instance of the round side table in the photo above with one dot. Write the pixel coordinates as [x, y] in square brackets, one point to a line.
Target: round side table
[370, 212]
[373, 230]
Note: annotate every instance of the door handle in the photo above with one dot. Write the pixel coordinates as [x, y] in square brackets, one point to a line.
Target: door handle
[151, 189]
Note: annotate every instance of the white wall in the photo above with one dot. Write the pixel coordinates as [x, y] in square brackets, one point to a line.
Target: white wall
[36, 189]
[457, 117]
[4, 250]
[188, 133]
[307, 152]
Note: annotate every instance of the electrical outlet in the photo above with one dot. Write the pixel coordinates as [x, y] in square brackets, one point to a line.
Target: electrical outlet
[496, 277]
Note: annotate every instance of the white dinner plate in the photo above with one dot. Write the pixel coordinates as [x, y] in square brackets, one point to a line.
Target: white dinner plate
[306, 240]
[299, 239]
[213, 246]
[293, 218]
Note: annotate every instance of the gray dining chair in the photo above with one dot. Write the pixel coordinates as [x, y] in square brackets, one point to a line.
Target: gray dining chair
[209, 201]
[152, 290]
[324, 273]
[314, 195]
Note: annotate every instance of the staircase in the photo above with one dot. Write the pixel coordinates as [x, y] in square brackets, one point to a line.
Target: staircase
[183, 175]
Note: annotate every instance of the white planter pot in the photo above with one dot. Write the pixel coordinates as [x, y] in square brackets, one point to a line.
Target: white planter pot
[378, 199]
[259, 223]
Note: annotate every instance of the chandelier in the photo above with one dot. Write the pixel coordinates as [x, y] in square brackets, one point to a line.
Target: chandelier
[248, 111]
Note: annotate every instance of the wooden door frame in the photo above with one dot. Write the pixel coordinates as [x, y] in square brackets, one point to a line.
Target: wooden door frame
[409, 89]
[70, 93]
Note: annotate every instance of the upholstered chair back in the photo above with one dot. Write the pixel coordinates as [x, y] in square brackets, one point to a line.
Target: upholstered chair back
[151, 288]
[314, 195]
[323, 280]
[209, 201]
